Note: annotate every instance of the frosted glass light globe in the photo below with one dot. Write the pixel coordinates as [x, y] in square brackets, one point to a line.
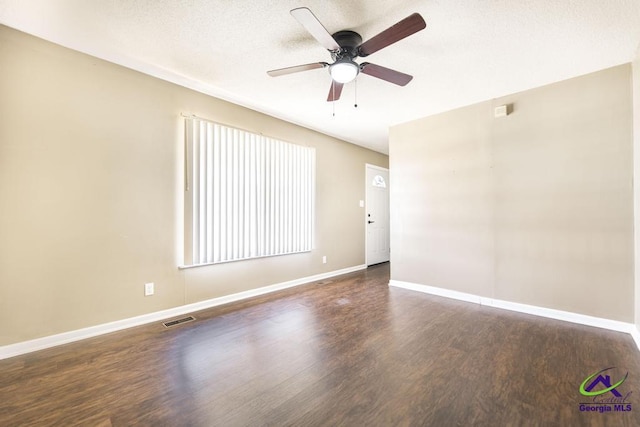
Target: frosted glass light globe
[344, 71]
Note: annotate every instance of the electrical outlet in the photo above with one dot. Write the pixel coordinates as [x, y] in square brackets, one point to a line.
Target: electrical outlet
[324, 259]
[148, 289]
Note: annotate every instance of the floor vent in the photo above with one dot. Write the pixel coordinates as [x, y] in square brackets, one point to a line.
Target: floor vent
[178, 321]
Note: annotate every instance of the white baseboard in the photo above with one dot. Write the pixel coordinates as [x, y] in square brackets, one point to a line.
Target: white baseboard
[24, 347]
[447, 293]
[566, 316]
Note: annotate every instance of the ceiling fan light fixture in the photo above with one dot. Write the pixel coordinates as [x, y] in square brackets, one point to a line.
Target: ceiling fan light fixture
[344, 71]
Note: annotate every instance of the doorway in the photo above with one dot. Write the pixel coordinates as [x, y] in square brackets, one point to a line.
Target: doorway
[377, 215]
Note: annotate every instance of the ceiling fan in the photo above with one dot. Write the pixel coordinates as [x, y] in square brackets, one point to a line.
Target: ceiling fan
[345, 46]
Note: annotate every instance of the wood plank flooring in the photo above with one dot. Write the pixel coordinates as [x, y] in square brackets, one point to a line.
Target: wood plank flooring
[348, 351]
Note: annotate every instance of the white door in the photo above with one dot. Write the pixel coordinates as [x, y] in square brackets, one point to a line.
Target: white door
[377, 214]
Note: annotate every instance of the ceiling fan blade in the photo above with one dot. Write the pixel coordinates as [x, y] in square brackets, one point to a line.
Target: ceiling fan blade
[315, 28]
[296, 69]
[409, 25]
[386, 74]
[334, 91]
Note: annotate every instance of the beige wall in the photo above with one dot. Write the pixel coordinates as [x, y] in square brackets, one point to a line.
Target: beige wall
[534, 208]
[90, 193]
[636, 186]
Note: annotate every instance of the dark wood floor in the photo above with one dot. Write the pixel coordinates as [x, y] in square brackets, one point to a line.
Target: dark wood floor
[349, 351]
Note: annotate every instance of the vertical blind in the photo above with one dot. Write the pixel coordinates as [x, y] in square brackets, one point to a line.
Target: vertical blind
[247, 195]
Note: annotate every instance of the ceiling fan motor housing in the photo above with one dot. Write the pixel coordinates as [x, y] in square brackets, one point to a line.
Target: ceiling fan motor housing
[348, 42]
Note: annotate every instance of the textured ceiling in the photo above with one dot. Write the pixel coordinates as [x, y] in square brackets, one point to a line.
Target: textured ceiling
[470, 51]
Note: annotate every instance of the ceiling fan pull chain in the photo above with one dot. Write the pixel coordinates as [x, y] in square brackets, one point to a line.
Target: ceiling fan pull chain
[355, 102]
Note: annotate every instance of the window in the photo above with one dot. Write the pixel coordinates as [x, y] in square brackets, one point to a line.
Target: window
[378, 181]
[247, 195]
